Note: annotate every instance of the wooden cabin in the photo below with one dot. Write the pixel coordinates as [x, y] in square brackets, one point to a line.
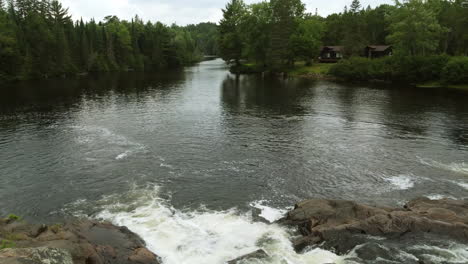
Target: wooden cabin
[378, 51]
[331, 54]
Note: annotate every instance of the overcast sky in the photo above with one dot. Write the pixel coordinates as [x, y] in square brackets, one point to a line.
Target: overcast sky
[183, 12]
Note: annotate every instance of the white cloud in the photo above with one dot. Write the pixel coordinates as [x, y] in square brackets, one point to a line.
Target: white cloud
[182, 12]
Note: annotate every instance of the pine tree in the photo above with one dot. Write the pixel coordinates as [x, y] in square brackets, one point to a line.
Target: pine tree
[230, 41]
[84, 47]
[355, 6]
[57, 13]
[285, 20]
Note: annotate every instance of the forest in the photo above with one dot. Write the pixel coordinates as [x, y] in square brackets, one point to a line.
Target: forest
[39, 39]
[428, 38]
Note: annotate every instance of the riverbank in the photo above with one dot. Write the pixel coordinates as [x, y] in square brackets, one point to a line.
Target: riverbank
[439, 71]
[73, 242]
[317, 71]
[331, 221]
[441, 85]
[335, 225]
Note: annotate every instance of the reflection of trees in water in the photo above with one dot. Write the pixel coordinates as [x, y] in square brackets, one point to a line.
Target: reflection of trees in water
[457, 125]
[274, 95]
[46, 102]
[346, 96]
[411, 111]
[406, 112]
[264, 119]
[47, 95]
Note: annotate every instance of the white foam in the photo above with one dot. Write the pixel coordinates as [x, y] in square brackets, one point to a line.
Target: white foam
[462, 184]
[122, 155]
[206, 236]
[164, 165]
[453, 253]
[115, 143]
[460, 167]
[268, 213]
[439, 197]
[401, 182]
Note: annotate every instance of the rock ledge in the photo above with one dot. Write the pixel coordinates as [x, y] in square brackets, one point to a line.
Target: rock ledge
[75, 242]
[321, 220]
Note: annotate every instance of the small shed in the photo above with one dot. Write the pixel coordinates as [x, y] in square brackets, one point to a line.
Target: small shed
[331, 53]
[378, 51]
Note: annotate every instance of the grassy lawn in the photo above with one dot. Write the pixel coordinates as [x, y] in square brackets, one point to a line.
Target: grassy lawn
[439, 85]
[315, 69]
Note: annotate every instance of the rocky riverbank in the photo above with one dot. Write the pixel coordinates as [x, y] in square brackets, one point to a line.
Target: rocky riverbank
[76, 242]
[342, 226]
[335, 221]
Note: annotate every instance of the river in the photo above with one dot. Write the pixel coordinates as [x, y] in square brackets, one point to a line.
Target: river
[197, 160]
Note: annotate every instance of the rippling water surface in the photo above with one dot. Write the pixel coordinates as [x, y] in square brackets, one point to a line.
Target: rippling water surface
[184, 157]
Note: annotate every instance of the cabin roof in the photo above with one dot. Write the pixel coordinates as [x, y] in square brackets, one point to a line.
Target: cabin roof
[333, 48]
[379, 47]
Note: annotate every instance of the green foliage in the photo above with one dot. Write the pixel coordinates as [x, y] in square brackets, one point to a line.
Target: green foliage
[7, 244]
[305, 41]
[355, 68]
[413, 69]
[13, 217]
[255, 30]
[230, 37]
[317, 69]
[456, 71]
[414, 28]
[286, 15]
[38, 39]
[272, 34]
[206, 37]
[416, 69]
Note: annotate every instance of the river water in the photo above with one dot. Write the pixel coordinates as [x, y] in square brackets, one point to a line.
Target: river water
[197, 161]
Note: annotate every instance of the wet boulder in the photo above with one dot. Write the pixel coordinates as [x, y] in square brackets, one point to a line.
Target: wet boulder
[321, 220]
[85, 241]
[259, 254]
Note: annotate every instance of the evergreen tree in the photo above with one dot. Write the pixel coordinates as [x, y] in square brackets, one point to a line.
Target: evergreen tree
[58, 14]
[38, 38]
[230, 40]
[355, 6]
[285, 17]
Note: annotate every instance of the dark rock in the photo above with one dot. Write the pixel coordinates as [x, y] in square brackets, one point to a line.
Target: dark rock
[328, 220]
[259, 254]
[87, 242]
[143, 255]
[37, 230]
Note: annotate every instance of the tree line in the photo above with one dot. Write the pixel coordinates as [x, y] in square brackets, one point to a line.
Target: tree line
[39, 39]
[274, 34]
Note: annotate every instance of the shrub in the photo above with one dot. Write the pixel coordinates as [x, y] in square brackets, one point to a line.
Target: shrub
[355, 68]
[456, 71]
[418, 68]
[397, 68]
[13, 217]
[7, 244]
